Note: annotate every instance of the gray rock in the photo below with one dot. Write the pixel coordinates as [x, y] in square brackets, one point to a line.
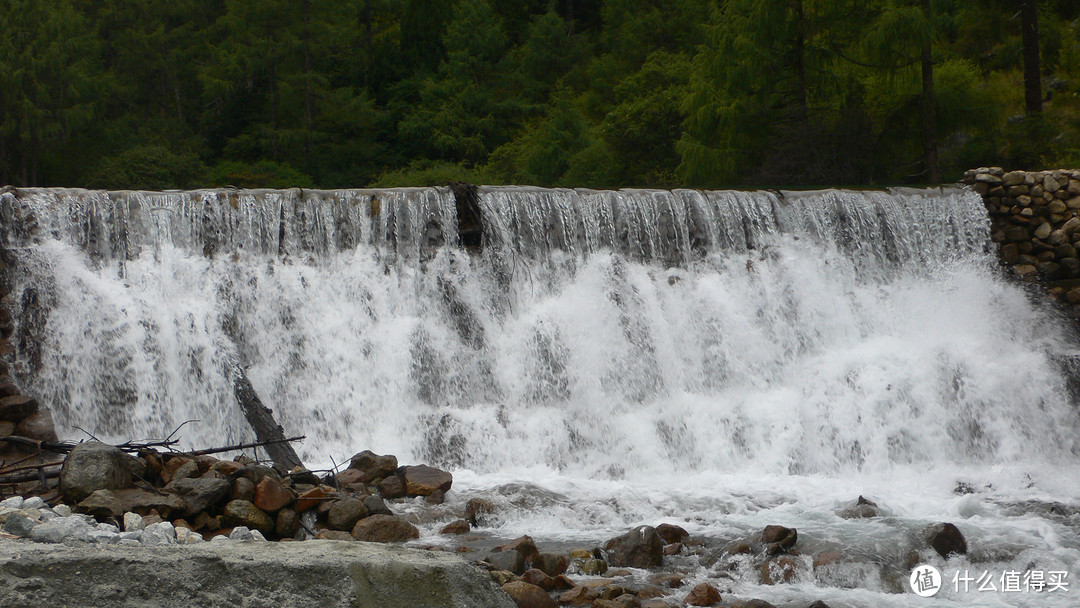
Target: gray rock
[34, 502]
[187, 536]
[114, 503]
[51, 532]
[257, 536]
[62, 510]
[16, 502]
[329, 574]
[641, 547]
[135, 535]
[511, 561]
[93, 466]
[133, 522]
[161, 533]
[199, 494]
[373, 466]
[19, 525]
[107, 528]
[104, 537]
[241, 533]
[376, 506]
[220, 538]
[127, 542]
[345, 513]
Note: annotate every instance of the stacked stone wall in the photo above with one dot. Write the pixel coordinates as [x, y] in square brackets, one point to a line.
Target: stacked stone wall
[1035, 219]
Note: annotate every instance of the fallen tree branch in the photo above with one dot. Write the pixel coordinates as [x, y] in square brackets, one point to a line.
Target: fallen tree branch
[30, 467]
[17, 478]
[244, 446]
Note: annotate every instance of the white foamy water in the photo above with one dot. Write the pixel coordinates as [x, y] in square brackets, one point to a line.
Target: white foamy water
[721, 360]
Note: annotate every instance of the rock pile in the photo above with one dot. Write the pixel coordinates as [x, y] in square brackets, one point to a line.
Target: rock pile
[199, 497]
[1035, 216]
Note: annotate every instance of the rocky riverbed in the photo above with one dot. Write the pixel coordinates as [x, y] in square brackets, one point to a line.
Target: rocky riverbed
[167, 501]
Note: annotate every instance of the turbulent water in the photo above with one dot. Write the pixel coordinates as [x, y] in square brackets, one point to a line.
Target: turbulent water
[721, 360]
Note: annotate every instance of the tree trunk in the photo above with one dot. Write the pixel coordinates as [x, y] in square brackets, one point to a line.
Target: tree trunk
[1029, 19]
[929, 120]
[261, 419]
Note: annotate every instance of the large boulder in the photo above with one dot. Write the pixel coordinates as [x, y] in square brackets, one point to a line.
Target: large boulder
[641, 547]
[526, 595]
[703, 594]
[93, 466]
[39, 426]
[271, 496]
[422, 480]
[946, 539]
[384, 529]
[373, 466]
[345, 513]
[199, 494]
[244, 513]
[114, 503]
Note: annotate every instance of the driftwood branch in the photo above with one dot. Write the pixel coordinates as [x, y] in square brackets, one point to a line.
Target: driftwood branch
[30, 467]
[14, 478]
[261, 419]
[246, 446]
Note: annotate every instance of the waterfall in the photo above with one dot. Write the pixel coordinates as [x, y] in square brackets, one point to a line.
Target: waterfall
[606, 333]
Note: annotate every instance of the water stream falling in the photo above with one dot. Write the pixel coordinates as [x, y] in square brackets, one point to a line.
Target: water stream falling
[722, 360]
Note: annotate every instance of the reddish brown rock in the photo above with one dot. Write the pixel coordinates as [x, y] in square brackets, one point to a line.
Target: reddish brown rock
[552, 564]
[458, 526]
[478, 510]
[946, 539]
[244, 513]
[670, 580]
[672, 533]
[536, 577]
[703, 594]
[228, 468]
[578, 596]
[384, 529]
[779, 535]
[778, 570]
[271, 496]
[392, 487]
[524, 545]
[422, 480]
[349, 476]
[312, 498]
[528, 596]
[371, 466]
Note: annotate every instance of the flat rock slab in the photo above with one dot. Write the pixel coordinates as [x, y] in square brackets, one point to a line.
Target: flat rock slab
[321, 573]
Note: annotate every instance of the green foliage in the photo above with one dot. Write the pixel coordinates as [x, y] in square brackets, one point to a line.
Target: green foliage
[149, 168]
[597, 93]
[261, 174]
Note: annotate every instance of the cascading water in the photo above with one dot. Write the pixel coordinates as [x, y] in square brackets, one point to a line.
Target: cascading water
[610, 358]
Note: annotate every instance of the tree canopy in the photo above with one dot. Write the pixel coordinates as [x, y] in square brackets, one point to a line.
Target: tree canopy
[589, 93]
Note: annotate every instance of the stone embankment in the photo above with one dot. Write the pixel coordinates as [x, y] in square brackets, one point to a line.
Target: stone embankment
[315, 573]
[1035, 218]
